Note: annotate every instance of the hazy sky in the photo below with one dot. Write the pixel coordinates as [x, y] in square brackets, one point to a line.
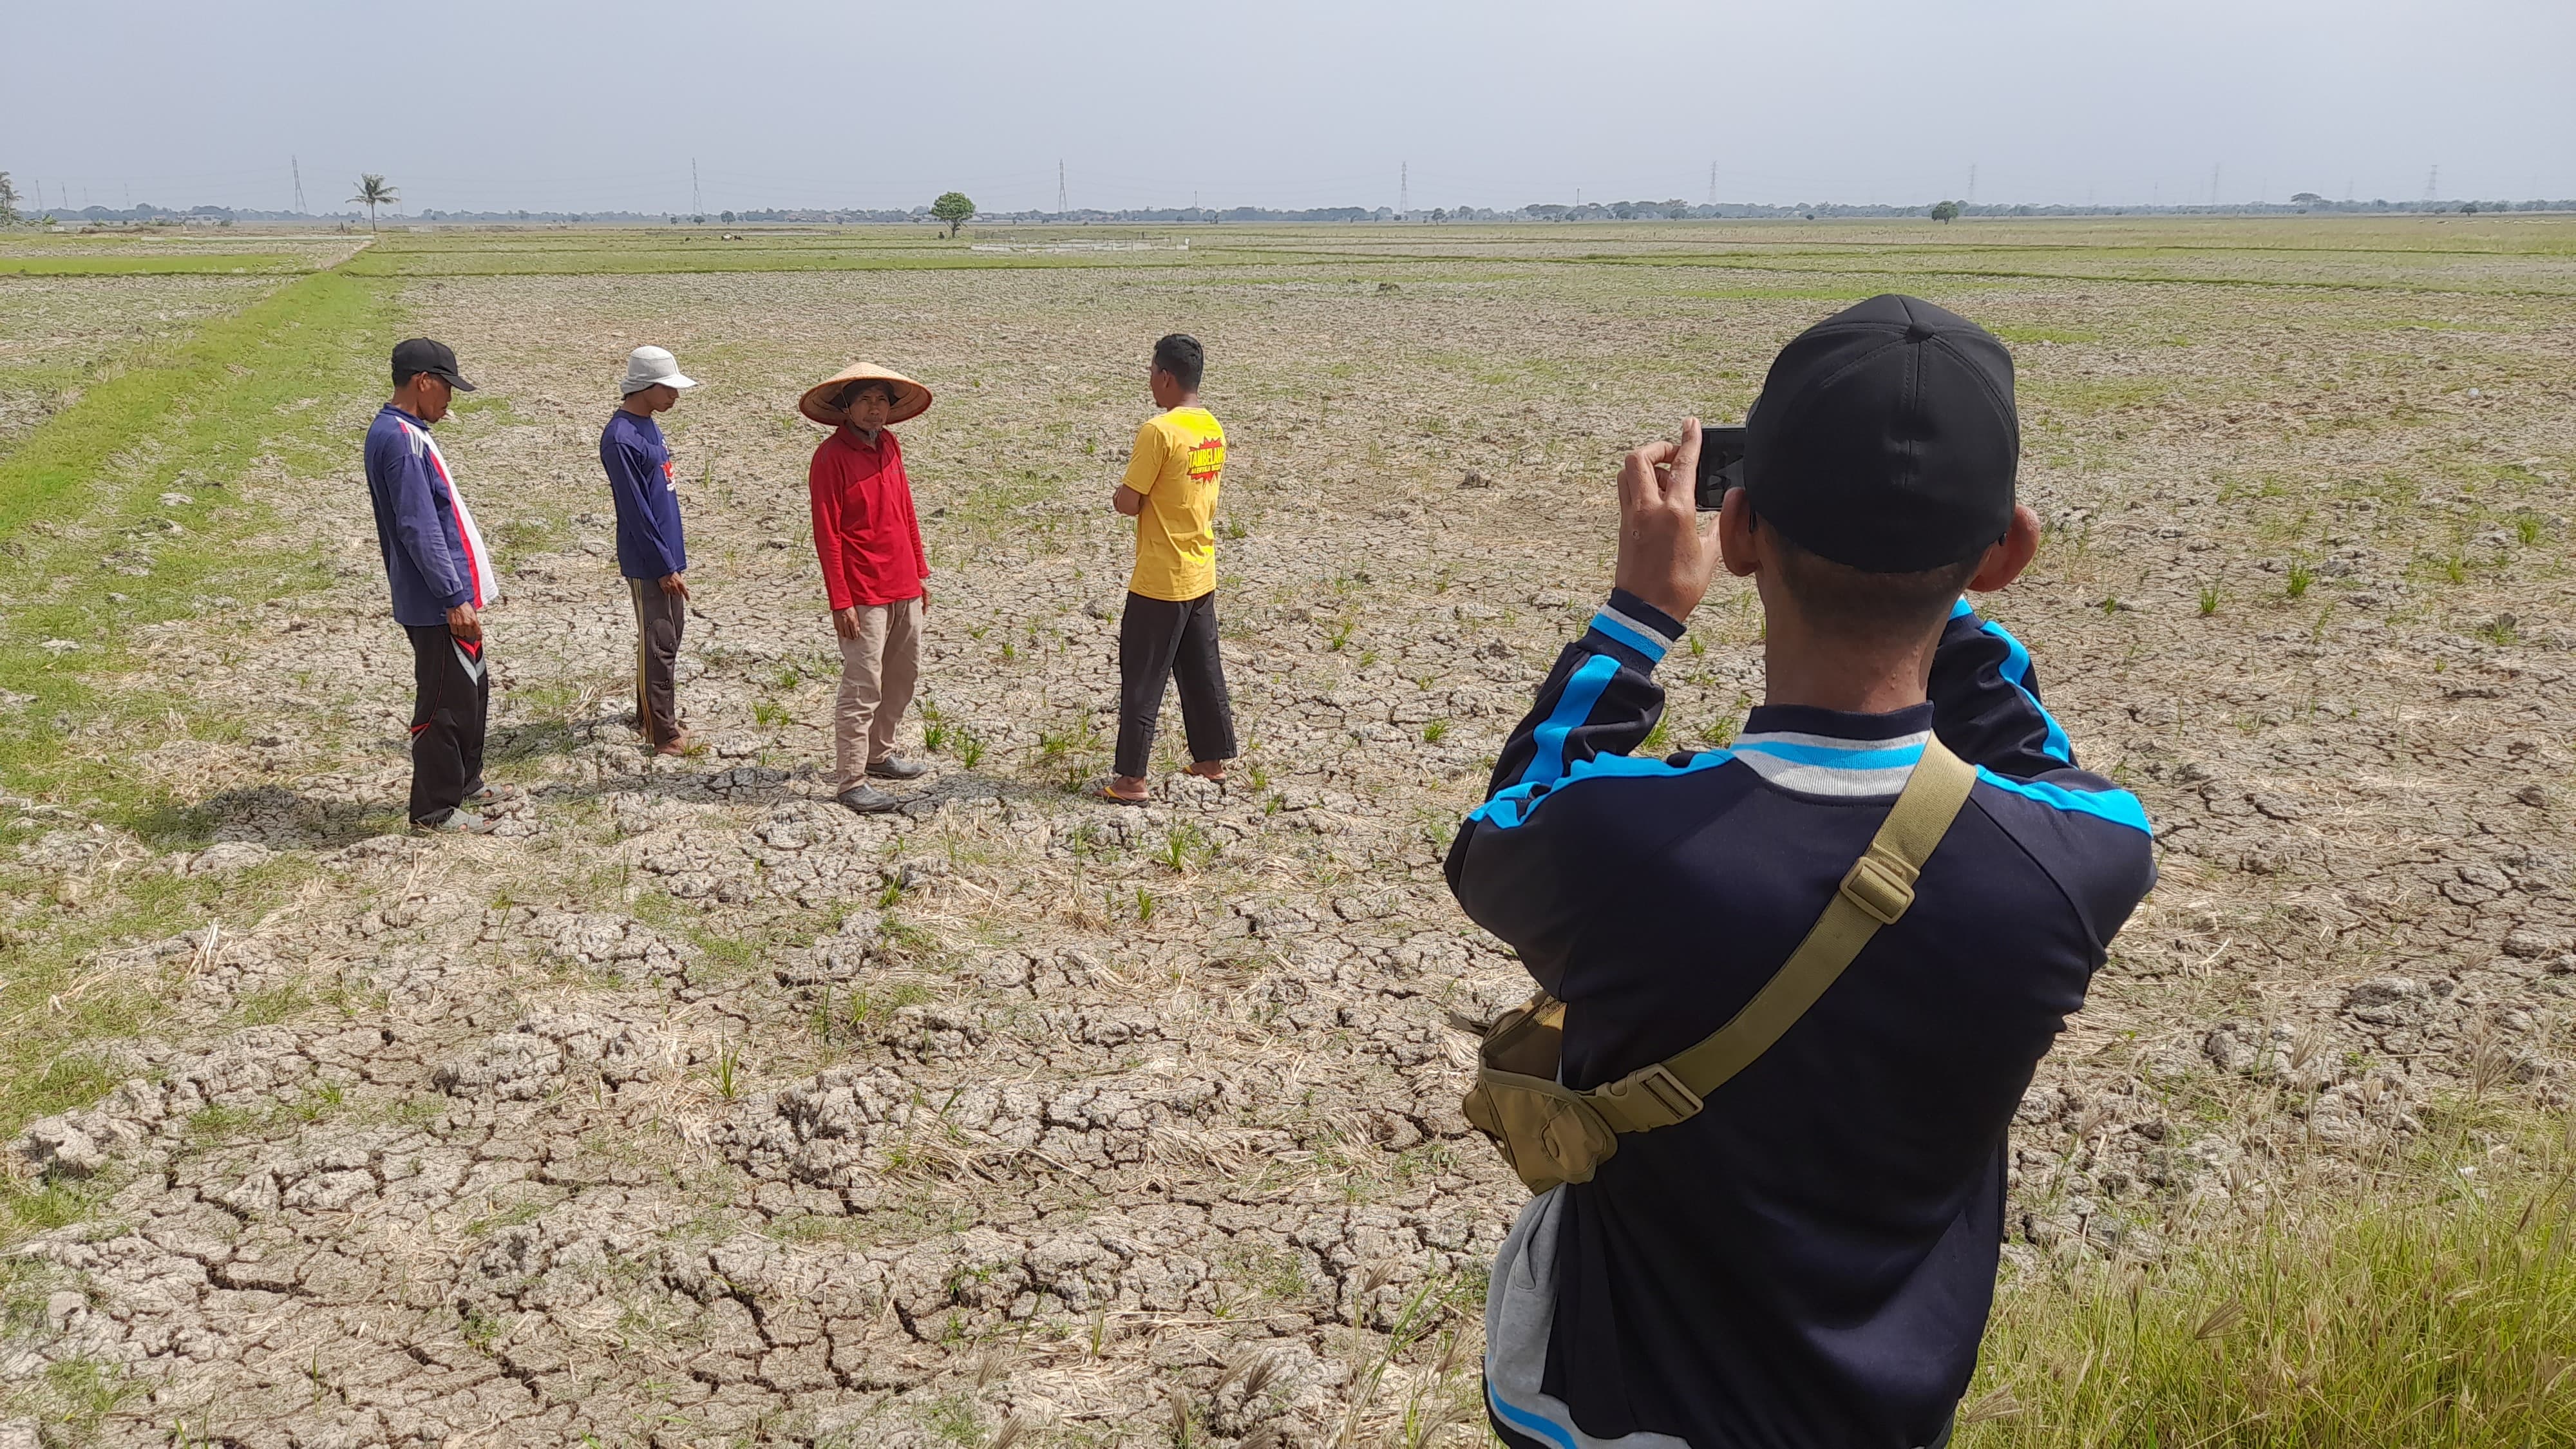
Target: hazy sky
[483, 105]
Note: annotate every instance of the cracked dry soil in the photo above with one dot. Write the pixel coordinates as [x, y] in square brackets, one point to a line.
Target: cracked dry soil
[690, 1109]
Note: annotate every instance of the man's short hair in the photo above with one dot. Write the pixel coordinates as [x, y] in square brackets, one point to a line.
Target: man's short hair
[1849, 603]
[1180, 355]
[849, 392]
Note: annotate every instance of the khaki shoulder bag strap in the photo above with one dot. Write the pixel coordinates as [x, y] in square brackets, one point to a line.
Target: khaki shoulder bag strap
[1551, 1134]
[1875, 892]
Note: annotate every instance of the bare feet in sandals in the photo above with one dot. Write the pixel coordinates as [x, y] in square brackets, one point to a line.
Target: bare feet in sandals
[1125, 789]
[1209, 769]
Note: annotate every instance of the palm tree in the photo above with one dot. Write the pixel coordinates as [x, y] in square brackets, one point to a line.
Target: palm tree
[372, 193]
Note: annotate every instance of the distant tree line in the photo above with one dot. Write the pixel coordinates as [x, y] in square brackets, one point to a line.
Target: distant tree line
[932, 214]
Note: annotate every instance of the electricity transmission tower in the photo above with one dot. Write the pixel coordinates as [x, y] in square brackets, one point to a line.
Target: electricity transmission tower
[697, 207]
[1403, 189]
[2213, 183]
[296, 166]
[2433, 184]
[1972, 183]
[1712, 183]
[1060, 205]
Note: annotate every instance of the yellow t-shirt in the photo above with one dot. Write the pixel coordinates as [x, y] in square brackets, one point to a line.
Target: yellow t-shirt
[1179, 457]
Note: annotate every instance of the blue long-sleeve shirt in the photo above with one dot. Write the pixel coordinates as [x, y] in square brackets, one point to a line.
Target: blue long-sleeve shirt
[649, 541]
[1811, 1258]
[424, 532]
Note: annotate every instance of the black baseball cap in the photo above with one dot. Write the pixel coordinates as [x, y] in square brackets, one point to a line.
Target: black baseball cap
[420, 354]
[1885, 438]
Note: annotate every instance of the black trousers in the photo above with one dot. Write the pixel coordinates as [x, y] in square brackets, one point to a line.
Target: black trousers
[453, 686]
[1159, 641]
[659, 620]
[1518, 1440]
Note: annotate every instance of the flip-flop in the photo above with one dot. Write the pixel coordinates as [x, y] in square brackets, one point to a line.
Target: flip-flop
[1114, 798]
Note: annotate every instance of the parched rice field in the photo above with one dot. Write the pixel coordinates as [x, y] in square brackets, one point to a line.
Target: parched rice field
[690, 1109]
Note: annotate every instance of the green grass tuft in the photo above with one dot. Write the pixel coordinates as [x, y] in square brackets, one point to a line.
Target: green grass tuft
[2438, 1315]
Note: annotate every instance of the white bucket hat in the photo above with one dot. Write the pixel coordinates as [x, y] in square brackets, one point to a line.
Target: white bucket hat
[653, 367]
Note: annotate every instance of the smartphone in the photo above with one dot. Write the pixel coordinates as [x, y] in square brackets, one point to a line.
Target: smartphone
[1721, 465]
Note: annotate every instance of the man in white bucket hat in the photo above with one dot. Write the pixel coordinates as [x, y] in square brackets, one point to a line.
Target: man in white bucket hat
[650, 551]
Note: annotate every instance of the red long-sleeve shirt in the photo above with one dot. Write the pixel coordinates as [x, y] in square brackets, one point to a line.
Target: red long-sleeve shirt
[865, 534]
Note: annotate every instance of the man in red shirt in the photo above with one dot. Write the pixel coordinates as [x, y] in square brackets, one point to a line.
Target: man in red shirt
[869, 543]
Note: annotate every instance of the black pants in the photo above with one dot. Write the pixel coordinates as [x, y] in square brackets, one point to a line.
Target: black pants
[454, 689]
[1158, 641]
[659, 619]
[1518, 1440]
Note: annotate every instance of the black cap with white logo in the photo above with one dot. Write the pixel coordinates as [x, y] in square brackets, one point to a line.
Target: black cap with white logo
[420, 354]
[1885, 438]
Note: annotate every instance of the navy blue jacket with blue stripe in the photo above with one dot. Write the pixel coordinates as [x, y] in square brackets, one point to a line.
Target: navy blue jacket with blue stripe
[1810, 1260]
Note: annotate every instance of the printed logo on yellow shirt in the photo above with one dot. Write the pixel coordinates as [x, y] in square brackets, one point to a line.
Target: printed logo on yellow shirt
[1207, 459]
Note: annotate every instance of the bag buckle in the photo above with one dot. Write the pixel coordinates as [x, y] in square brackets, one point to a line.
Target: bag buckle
[1880, 886]
[1645, 1099]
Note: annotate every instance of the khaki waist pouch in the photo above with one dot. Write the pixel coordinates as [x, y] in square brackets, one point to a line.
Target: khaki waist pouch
[1552, 1134]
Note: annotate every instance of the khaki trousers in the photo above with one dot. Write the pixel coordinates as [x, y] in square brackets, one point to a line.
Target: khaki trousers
[659, 620]
[878, 671]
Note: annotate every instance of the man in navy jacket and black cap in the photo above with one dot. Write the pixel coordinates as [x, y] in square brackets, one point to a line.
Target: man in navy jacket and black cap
[441, 578]
[1808, 1260]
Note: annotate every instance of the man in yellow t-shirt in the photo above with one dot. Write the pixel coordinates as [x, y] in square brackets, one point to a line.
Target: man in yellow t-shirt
[1168, 631]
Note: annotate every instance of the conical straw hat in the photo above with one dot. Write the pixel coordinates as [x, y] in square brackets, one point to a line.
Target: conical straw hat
[911, 399]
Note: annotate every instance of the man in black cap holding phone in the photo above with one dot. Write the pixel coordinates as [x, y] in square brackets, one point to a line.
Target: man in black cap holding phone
[441, 578]
[1804, 979]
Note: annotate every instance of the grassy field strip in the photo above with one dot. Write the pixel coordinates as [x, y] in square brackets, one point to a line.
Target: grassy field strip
[74, 445]
[176, 265]
[98, 479]
[2439, 1310]
[718, 260]
[642, 263]
[270, 385]
[1729, 263]
[1831, 247]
